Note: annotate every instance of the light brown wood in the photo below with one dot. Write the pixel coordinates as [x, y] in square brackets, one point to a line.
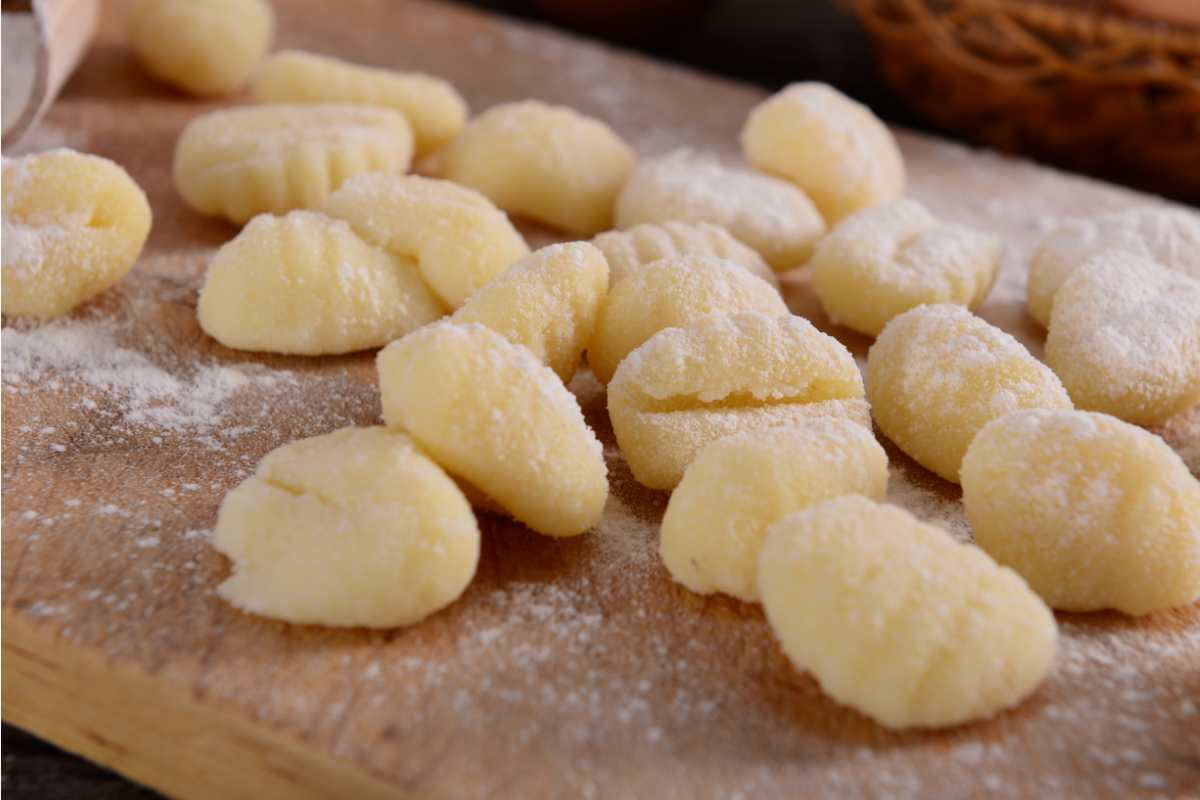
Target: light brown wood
[569, 668]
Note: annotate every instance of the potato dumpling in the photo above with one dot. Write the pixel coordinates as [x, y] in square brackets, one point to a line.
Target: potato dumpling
[938, 373]
[548, 163]
[356, 527]
[899, 621]
[74, 224]
[833, 148]
[670, 294]
[638, 246]
[884, 260]
[1093, 512]
[738, 486]
[686, 387]
[768, 214]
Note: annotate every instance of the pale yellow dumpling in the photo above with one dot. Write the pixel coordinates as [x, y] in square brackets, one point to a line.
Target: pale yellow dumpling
[432, 106]
[670, 294]
[353, 528]
[241, 162]
[640, 245]
[886, 259]
[738, 486]
[1093, 512]
[493, 415]
[74, 224]
[897, 620]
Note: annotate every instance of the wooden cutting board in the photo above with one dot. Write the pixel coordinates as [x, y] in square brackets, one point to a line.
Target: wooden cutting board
[569, 668]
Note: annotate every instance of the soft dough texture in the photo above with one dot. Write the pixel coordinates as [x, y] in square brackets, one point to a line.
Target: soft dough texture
[356, 527]
[306, 284]
[770, 215]
[241, 162]
[937, 374]
[631, 249]
[492, 414]
[1125, 338]
[1093, 512]
[74, 225]
[738, 486]
[686, 387]
[884, 260]
[899, 621]
[549, 163]
[432, 106]
[833, 148]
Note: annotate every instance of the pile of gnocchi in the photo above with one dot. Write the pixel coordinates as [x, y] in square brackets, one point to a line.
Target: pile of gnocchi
[758, 424]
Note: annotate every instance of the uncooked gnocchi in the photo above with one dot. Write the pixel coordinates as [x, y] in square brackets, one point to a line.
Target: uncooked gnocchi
[884, 260]
[241, 162]
[205, 47]
[1125, 338]
[548, 163]
[937, 374]
[628, 250]
[74, 224]
[432, 106]
[899, 621]
[1093, 512]
[738, 486]
[356, 527]
[768, 214]
[496, 417]
[547, 301]
[686, 387]
[306, 284]
[670, 294]
[833, 148]
[459, 240]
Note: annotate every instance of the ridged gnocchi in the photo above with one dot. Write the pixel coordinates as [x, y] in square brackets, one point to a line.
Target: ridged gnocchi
[74, 224]
[548, 163]
[897, 620]
[241, 162]
[638, 246]
[686, 387]
[738, 486]
[355, 527]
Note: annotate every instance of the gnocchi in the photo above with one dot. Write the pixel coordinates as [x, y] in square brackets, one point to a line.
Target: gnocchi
[630, 249]
[494, 416]
[548, 163]
[1093, 512]
[74, 224]
[938, 373]
[686, 387]
[738, 486]
[897, 620]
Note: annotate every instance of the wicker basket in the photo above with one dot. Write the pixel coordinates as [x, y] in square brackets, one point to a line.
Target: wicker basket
[1064, 81]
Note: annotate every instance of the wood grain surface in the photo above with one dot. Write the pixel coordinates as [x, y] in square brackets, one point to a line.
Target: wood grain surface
[569, 668]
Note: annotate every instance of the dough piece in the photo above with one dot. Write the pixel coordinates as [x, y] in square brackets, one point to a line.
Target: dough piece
[937, 374]
[738, 486]
[1168, 236]
[1125, 338]
[1093, 512]
[884, 260]
[547, 301]
[458, 238]
[899, 621]
[306, 284]
[206, 47]
[686, 387]
[74, 224]
[833, 148]
[493, 415]
[548, 163]
[770, 215]
[356, 527]
[671, 294]
[628, 250]
[433, 106]
[246, 161]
